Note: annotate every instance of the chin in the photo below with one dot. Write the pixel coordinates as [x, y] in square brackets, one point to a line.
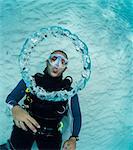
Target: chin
[54, 74]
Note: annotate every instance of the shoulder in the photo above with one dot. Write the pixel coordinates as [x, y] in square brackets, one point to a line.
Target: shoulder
[22, 83]
[38, 76]
[75, 97]
[74, 100]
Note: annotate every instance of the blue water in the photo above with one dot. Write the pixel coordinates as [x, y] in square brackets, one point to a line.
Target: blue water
[106, 26]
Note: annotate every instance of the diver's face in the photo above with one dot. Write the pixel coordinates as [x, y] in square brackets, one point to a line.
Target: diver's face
[57, 64]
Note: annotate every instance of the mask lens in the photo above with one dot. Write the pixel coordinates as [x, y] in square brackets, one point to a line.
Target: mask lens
[63, 61]
[53, 58]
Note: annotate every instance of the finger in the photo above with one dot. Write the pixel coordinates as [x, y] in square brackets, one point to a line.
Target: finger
[17, 123]
[29, 124]
[26, 106]
[22, 125]
[33, 121]
[65, 146]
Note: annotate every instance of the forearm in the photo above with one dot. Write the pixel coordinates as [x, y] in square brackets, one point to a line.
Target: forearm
[76, 126]
[76, 113]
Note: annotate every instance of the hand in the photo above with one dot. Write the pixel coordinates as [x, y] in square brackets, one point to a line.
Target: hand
[23, 120]
[70, 144]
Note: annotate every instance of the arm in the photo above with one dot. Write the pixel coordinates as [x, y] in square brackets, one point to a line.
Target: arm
[21, 118]
[76, 114]
[16, 95]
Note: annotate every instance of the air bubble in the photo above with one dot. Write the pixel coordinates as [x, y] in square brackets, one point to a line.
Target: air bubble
[28, 48]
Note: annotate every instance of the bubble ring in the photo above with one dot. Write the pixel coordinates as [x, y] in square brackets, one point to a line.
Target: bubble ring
[27, 49]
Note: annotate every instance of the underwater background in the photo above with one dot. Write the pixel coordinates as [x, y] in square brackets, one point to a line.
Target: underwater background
[106, 26]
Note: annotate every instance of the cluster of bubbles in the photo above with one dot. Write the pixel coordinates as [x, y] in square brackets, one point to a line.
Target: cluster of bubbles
[28, 48]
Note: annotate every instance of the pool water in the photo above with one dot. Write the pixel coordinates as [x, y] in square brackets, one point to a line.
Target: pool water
[106, 26]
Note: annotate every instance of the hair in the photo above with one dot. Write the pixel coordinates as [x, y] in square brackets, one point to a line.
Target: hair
[61, 52]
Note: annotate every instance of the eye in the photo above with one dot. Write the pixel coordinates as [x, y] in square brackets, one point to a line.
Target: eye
[53, 58]
[63, 61]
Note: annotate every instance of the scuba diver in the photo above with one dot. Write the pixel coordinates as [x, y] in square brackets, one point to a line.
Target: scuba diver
[40, 120]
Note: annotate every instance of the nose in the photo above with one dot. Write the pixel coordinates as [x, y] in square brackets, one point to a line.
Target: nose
[57, 64]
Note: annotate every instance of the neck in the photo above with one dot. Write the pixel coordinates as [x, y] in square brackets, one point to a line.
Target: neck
[54, 78]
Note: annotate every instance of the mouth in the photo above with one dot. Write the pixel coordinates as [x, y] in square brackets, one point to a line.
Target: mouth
[55, 70]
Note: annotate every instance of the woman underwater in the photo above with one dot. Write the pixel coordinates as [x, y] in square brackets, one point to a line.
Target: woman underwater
[39, 120]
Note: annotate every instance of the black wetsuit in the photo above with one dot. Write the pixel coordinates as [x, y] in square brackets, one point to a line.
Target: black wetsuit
[42, 111]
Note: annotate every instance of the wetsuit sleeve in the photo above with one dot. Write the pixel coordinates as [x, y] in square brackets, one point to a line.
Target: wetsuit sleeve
[76, 113]
[17, 94]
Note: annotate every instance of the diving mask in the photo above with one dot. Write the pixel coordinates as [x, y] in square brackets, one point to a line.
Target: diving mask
[58, 61]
